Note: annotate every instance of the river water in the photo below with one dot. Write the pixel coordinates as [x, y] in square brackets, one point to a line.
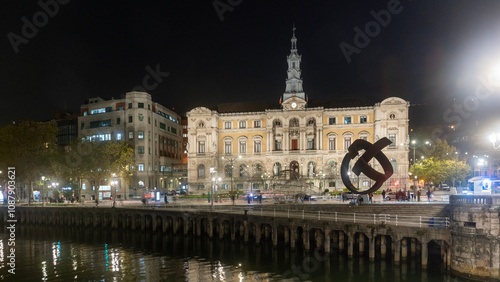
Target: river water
[79, 254]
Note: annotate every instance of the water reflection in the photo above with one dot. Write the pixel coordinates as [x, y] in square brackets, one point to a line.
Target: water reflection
[100, 254]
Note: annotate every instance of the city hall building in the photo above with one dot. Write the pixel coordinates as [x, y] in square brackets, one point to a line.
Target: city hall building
[292, 146]
[155, 133]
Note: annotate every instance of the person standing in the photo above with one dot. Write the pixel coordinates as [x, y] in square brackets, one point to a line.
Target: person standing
[383, 194]
[418, 195]
[371, 198]
[166, 198]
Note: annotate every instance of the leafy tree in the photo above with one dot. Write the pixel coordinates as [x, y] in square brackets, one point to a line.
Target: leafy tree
[29, 147]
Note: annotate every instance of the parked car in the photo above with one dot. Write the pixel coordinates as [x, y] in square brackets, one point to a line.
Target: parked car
[390, 196]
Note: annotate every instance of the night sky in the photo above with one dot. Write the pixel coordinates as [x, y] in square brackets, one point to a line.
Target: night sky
[429, 51]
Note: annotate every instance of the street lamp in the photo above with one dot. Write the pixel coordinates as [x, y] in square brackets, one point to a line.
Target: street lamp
[114, 183]
[211, 199]
[494, 139]
[43, 190]
[231, 162]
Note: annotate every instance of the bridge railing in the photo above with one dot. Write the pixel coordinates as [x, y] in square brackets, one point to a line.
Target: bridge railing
[471, 200]
[385, 219]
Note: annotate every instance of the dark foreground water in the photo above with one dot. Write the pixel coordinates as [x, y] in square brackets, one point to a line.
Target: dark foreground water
[78, 254]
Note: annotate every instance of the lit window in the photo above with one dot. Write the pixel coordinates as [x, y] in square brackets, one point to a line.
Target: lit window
[201, 147]
[277, 145]
[331, 144]
[243, 147]
[201, 171]
[227, 125]
[118, 136]
[347, 142]
[257, 146]
[140, 134]
[131, 135]
[347, 120]
[392, 137]
[243, 124]
[227, 148]
[140, 167]
[310, 144]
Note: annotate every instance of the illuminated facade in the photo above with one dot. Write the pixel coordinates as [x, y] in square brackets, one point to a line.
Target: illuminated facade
[153, 130]
[294, 145]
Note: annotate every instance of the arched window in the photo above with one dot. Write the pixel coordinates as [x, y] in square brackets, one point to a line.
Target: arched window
[257, 169]
[277, 123]
[310, 169]
[332, 167]
[277, 168]
[201, 171]
[311, 122]
[228, 171]
[201, 124]
[294, 122]
[243, 170]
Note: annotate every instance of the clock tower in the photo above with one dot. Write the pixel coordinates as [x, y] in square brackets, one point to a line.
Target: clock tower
[294, 97]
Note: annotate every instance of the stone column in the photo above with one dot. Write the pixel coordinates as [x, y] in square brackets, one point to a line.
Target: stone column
[397, 251]
[153, 224]
[221, 230]
[361, 244]
[448, 259]
[383, 246]
[371, 248]
[293, 236]
[286, 230]
[425, 255]
[164, 225]
[245, 224]
[233, 233]
[266, 232]
[210, 228]
[187, 222]
[198, 227]
[257, 234]
[327, 241]
[335, 239]
[176, 225]
[350, 245]
[275, 236]
[306, 239]
[413, 246]
[404, 249]
[341, 241]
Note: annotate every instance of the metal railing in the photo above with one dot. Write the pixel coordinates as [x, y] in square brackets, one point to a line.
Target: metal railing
[364, 218]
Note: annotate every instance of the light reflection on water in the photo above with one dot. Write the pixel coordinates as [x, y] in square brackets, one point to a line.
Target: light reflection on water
[77, 254]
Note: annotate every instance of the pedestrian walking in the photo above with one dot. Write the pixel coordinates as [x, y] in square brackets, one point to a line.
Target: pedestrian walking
[371, 198]
[383, 194]
[96, 202]
[166, 199]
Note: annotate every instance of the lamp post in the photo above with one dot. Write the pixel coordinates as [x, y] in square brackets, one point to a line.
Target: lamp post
[211, 200]
[231, 162]
[43, 190]
[113, 184]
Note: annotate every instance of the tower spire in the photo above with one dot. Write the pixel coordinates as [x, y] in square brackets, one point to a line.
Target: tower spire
[294, 80]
